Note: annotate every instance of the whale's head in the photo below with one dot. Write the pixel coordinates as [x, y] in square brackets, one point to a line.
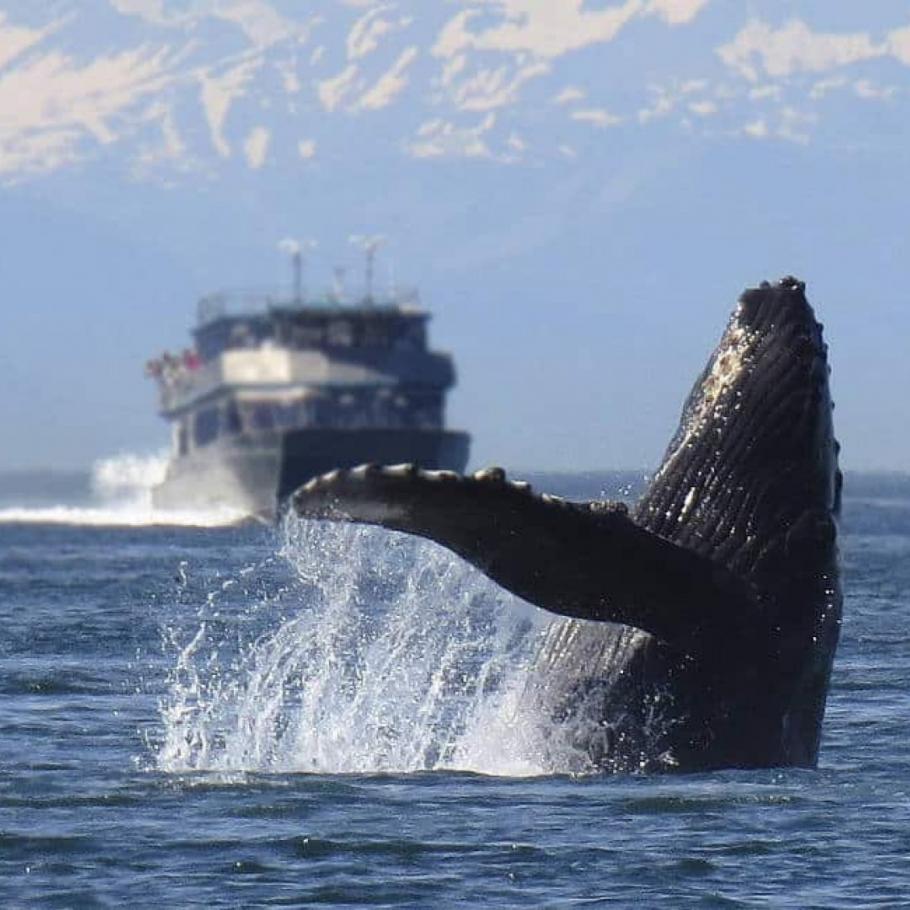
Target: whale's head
[751, 480]
[753, 467]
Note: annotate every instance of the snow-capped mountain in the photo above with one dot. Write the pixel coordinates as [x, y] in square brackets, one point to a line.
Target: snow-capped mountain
[181, 88]
[579, 188]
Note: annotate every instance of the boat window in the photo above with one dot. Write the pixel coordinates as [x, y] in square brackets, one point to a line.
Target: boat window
[307, 336]
[262, 417]
[375, 334]
[291, 415]
[340, 333]
[412, 336]
[242, 336]
[206, 426]
[182, 439]
[232, 423]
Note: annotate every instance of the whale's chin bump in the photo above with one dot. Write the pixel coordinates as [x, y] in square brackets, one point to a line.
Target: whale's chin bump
[716, 597]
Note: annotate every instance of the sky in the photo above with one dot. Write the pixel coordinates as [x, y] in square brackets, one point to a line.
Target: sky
[580, 190]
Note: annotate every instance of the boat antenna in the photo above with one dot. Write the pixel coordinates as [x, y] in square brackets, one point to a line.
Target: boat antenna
[369, 244]
[338, 285]
[295, 249]
[393, 287]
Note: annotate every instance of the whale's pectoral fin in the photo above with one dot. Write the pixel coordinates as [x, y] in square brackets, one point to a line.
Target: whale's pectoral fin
[588, 561]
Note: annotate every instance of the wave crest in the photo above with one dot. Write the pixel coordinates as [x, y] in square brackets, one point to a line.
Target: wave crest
[121, 496]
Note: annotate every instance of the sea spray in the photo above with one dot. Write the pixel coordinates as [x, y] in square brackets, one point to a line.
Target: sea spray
[128, 476]
[121, 488]
[381, 653]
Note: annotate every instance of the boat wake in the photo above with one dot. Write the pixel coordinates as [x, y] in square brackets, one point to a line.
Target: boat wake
[379, 653]
[119, 495]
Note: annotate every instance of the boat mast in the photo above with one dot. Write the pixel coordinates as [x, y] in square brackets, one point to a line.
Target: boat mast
[369, 244]
[296, 248]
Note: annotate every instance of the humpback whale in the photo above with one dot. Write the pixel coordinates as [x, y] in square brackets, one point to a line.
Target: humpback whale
[697, 628]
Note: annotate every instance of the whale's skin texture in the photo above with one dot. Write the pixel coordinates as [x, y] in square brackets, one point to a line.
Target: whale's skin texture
[699, 627]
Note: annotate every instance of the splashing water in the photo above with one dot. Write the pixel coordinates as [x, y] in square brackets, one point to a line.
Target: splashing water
[122, 496]
[382, 653]
[128, 475]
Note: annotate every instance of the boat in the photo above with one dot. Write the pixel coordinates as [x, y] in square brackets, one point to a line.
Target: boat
[275, 391]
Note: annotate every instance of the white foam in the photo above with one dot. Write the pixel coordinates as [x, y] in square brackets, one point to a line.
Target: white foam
[387, 654]
[120, 516]
[122, 493]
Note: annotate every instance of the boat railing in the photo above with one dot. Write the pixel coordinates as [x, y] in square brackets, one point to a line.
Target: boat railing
[236, 303]
[179, 382]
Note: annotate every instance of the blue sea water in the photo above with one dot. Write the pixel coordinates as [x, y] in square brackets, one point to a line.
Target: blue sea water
[316, 716]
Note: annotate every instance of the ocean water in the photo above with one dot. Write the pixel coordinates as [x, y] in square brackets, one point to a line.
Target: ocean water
[196, 713]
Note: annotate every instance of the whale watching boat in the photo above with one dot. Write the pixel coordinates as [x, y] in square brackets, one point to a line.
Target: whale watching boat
[277, 391]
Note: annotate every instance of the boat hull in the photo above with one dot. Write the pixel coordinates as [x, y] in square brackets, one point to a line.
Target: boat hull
[255, 474]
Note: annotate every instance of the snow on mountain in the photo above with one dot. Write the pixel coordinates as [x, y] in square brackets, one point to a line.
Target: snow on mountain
[578, 187]
[183, 88]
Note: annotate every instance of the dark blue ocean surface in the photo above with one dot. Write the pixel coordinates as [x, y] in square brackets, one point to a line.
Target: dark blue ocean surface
[252, 717]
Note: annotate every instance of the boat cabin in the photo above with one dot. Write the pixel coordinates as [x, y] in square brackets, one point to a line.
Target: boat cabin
[275, 368]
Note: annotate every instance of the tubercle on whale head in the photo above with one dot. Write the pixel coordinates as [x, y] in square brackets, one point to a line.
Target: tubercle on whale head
[755, 452]
[780, 308]
[771, 351]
